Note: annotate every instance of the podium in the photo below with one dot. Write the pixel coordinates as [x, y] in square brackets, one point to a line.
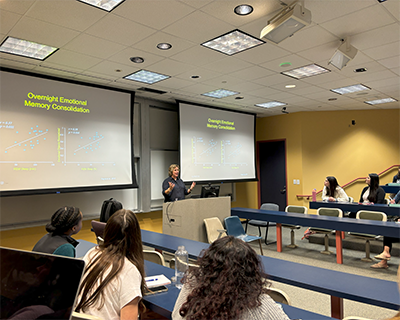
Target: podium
[184, 218]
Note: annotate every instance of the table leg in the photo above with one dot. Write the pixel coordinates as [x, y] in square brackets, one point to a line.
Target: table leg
[339, 249]
[337, 307]
[279, 237]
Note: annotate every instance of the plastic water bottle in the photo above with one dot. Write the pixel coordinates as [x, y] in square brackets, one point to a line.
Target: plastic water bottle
[314, 195]
[181, 265]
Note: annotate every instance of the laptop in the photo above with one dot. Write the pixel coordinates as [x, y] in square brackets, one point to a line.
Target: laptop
[37, 285]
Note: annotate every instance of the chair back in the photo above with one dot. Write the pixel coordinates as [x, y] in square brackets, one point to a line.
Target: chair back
[98, 228]
[153, 256]
[269, 206]
[351, 199]
[331, 212]
[296, 209]
[371, 215]
[234, 226]
[214, 229]
[279, 296]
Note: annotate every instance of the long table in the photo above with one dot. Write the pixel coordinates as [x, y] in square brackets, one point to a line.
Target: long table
[163, 303]
[338, 285]
[355, 206]
[387, 228]
[391, 189]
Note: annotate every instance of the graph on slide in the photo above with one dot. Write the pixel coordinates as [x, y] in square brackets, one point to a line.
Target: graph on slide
[77, 147]
[210, 152]
[24, 145]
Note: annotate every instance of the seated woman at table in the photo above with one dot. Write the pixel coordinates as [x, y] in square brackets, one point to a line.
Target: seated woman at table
[65, 222]
[396, 198]
[332, 191]
[113, 281]
[229, 283]
[372, 193]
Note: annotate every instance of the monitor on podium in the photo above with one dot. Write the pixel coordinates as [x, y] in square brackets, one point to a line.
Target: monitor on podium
[209, 190]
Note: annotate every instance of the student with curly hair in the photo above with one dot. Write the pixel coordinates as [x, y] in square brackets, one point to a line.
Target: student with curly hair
[229, 283]
[113, 283]
[65, 222]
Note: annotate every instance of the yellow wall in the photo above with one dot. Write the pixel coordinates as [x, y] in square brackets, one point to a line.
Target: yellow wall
[325, 143]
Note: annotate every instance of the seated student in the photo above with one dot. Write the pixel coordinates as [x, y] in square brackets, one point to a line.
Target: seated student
[372, 193]
[113, 281]
[65, 222]
[332, 191]
[396, 178]
[228, 284]
[396, 198]
[384, 256]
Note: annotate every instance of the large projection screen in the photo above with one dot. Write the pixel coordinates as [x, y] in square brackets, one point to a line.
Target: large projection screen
[58, 136]
[216, 145]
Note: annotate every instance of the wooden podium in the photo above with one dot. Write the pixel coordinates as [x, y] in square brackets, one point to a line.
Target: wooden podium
[184, 218]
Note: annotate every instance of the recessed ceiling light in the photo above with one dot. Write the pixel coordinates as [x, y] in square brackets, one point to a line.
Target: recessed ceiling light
[233, 42]
[306, 71]
[220, 93]
[164, 46]
[25, 48]
[380, 101]
[351, 89]
[195, 77]
[290, 86]
[239, 98]
[271, 104]
[360, 70]
[146, 76]
[243, 9]
[137, 59]
[118, 70]
[332, 99]
[106, 5]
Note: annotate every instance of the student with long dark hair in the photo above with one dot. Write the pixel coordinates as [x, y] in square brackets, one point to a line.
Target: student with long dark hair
[65, 222]
[229, 283]
[113, 282]
[372, 193]
[332, 191]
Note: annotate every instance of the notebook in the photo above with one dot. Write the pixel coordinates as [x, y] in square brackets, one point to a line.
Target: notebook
[37, 285]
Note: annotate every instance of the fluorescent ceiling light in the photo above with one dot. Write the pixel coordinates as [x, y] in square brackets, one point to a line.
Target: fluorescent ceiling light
[351, 89]
[107, 5]
[26, 48]
[290, 20]
[380, 101]
[343, 55]
[220, 93]
[306, 71]
[146, 77]
[233, 42]
[271, 104]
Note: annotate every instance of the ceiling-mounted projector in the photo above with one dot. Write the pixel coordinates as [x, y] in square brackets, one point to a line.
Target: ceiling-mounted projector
[290, 20]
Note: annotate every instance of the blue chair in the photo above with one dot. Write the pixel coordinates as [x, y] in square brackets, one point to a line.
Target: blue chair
[264, 224]
[234, 228]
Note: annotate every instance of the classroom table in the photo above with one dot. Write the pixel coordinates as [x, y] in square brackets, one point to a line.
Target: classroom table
[391, 189]
[355, 206]
[163, 302]
[338, 285]
[387, 228]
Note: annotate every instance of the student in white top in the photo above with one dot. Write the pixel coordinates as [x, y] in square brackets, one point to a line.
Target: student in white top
[332, 191]
[113, 282]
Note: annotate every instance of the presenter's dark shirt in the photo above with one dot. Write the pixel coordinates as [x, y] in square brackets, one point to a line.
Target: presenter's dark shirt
[177, 193]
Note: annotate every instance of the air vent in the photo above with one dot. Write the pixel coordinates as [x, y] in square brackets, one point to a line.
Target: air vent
[152, 90]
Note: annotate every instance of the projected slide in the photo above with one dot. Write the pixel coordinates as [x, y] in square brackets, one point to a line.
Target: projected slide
[216, 145]
[57, 135]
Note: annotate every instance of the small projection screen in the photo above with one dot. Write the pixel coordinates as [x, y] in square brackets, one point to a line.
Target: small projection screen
[59, 136]
[216, 145]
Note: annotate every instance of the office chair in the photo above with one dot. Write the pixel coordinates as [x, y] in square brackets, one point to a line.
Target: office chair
[368, 215]
[214, 229]
[264, 224]
[279, 296]
[234, 228]
[331, 212]
[154, 256]
[296, 209]
[98, 228]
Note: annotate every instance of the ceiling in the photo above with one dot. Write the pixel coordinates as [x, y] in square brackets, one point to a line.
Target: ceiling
[95, 47]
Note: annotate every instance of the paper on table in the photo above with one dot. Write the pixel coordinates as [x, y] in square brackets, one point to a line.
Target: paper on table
[155, 281]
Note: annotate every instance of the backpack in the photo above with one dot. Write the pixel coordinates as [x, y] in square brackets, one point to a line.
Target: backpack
[108, 208]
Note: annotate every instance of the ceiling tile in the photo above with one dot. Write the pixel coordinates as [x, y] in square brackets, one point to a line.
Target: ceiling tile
[8, 20]
[72, 60]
